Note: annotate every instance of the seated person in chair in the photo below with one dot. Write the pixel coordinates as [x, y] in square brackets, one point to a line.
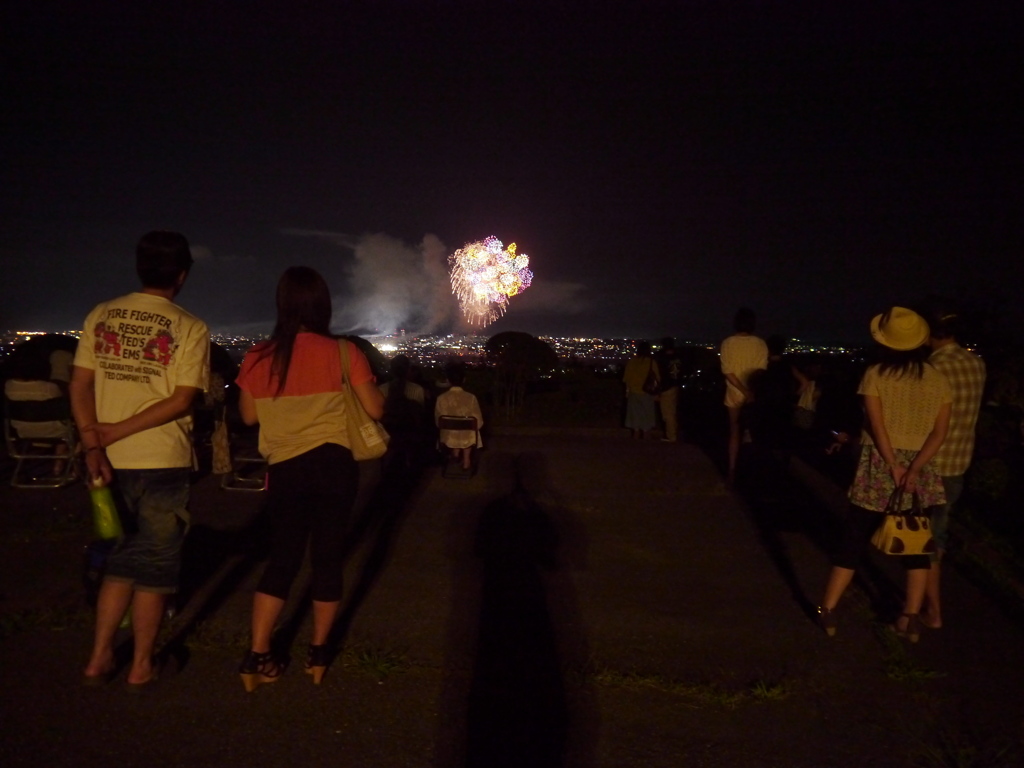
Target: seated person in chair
[458, 402]
[30, 382]
[61, 361]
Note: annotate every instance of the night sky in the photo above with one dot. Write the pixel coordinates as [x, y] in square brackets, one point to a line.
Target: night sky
[661, 163]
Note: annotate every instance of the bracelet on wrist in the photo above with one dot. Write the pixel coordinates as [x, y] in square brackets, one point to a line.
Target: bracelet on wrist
[95, 448]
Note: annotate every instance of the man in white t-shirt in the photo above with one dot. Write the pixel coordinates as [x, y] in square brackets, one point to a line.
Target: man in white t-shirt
[742, 354]
[140, 363]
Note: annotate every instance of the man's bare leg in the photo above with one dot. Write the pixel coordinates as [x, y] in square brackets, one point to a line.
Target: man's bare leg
[111, 606]
[147, 613]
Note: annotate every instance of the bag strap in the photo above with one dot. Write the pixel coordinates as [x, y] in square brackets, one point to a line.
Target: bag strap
[895, 504]
[346, 377]
[915, 505]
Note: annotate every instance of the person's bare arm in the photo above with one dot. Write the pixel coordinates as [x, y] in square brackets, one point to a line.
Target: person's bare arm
[733, 379]
[247, 408]
[873, 406]
[370, 398]
[931, 446]
[176, 405]
[801, 379]
[82, 392]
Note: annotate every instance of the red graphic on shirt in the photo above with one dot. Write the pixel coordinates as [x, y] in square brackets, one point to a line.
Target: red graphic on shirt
[107, 342]
[159, 348]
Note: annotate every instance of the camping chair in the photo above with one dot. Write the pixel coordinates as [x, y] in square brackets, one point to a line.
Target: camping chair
[248, 468]
[461, 424]
[34, 452]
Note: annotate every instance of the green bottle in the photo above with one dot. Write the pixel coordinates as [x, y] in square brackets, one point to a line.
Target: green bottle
[105, 520]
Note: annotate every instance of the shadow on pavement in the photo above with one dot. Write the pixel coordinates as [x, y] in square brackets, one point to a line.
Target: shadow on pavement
[386, 491]
[215, 563]
[779, 503]
[376, 526]
[515, 692]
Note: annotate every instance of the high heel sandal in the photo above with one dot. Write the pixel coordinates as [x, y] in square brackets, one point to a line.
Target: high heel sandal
[827, 620]
[317, 661]
[911, 630]
[146, 685]
[259, 668]
[96, 681]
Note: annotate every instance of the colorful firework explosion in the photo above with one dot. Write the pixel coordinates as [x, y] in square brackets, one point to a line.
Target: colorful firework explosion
[485, 274]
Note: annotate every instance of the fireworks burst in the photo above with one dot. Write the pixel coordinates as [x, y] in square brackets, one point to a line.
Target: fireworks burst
[485, 274]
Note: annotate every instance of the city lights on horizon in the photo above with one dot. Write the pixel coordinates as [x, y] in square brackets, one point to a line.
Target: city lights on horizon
[430, 349]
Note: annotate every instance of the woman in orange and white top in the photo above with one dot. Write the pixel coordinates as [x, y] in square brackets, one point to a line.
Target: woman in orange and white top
[292, 386]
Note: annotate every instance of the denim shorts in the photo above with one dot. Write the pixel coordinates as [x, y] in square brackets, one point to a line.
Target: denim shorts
[954, 485]
[155, 519]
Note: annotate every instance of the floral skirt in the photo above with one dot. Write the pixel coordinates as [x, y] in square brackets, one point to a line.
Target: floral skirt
[873, 484]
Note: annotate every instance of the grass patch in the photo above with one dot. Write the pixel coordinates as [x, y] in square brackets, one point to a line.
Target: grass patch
[58, 617]
[770, 690]
[955, 742]
[696, 695]
[897, 663]
[379, 661]
[959, 750]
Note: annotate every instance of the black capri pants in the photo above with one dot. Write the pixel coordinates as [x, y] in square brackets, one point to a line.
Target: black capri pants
[309, 499]
[858, 528]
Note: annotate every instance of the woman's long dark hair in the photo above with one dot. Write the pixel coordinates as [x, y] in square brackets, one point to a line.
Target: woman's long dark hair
[908, 362]
[303, 304]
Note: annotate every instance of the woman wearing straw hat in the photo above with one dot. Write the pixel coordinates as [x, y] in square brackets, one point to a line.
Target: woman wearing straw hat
[908, 405]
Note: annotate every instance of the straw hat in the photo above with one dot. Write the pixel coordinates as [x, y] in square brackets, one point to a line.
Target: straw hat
[900, 328]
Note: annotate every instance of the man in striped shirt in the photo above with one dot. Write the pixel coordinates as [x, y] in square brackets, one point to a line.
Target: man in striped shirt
[966, 374]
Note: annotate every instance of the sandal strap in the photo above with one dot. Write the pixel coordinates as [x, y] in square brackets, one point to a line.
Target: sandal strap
[261, 663]
[318, 656]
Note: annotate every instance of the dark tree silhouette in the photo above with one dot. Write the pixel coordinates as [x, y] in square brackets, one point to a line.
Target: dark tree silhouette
[519, 358]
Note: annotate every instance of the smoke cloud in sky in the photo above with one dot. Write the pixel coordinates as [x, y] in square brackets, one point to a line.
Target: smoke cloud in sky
[553, 297]
[392, 285]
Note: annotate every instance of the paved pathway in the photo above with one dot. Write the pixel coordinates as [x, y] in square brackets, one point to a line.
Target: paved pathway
[585, 600]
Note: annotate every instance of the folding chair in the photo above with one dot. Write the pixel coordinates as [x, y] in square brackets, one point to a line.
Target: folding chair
[51, 420]
[461, 424]
[248, 467]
